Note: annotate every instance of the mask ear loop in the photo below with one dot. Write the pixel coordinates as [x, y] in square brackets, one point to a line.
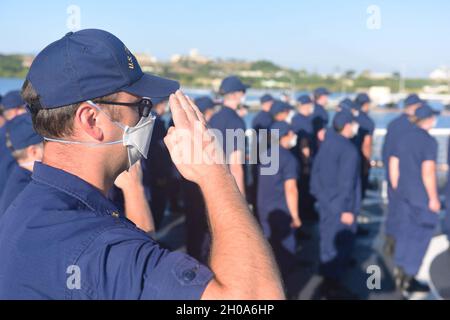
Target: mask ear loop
[87, 144]
[121, 126]
[92, 144]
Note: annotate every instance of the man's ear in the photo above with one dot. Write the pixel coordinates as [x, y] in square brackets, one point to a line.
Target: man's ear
[86, 122]
[33, 151]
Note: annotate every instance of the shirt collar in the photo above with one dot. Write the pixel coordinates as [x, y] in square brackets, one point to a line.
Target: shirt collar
[302, 116]
[318, 105]
[74, 187]
[336, 135]
[22, 171]
[230, 110]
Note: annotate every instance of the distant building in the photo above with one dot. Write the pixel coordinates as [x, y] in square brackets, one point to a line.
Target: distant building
[379, 75]
[440, 74]
[145, 59]
[251, 74]
[380, 95]
[27, 60]
[176, 58]
[441, 89]
[193, 56]
[272, 84]
[280, 74]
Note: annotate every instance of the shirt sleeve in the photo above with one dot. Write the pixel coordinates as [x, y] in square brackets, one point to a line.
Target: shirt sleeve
[315, 185]
[395, 147]
[386, 147]
[448, 158]
[326, 117]
[295, 125]
[267, 122]
[347, 177]
[320, 119]
[371, 127]
[290, 169]
[430, 152]
[124, 263]
[257, 122]
[239, 139]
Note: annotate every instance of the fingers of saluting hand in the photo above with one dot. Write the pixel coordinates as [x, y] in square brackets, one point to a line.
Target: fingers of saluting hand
[179, 116]
[200, 116]
[169, 140]
[190, 112]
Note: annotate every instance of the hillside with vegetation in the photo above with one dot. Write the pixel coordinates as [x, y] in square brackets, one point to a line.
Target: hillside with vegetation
[207, 73]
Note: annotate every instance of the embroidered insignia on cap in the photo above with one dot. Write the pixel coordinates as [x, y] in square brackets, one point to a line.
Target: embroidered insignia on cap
[130, 59]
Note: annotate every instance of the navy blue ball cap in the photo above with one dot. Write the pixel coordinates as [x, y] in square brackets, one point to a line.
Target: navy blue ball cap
[12, 99]
[232, 84]
[156, 101]
[347, 104]
[361, 99]
[304, 99]
[321, 92]
[204, 103]
[412, 99]
[266, 98]
[89, 64]
[278, 107]
[425, 111]
[342, 118]
[283, 128]
[21, 132]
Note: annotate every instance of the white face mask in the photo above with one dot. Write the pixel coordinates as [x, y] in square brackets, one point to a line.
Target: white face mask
[243, 100]
[293, 142]
[435, 123]
[290, 116]
[137, 139]
[355, 128]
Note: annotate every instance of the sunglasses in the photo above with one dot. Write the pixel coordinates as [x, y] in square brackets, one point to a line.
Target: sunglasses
[144, 106]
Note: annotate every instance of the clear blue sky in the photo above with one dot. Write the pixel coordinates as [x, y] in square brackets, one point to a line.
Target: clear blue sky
[318, 35]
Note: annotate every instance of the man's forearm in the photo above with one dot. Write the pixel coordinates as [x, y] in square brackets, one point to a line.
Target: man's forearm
[430, 180]
[367, 148]
[292, 201]
[394, 171]
[241, 258]
[430, 186]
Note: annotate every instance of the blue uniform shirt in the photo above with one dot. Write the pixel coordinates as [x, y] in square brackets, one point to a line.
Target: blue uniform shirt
[263, 120]
[395, 131]
[447, 197]
[61, 231]
[271, 193]
[320, 118]
[417, 146]
[228, 119]
[303, 127]
[158, 164]
[7, 162]
[17, 181]
[366, 128]
[335, 177]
